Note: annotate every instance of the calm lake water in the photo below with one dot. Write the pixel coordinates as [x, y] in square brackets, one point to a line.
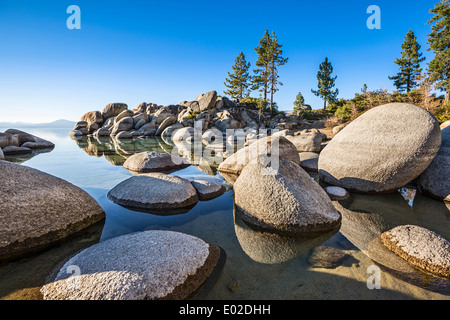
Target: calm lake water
[258, 265]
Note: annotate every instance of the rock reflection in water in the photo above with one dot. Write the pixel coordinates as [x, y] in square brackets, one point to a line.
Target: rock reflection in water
[21, 158]
[272, 248]
[206, 158]
[366, 217]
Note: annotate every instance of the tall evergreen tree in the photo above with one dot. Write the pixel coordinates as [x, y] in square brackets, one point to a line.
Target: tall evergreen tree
[326, 83]
[261, 78]
[275, 60]
[439, 41]
[299, 101]
[239, 81]
[409, 64]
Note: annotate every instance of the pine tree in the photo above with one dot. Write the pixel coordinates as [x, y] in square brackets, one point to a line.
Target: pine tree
[409, 64]
[239, 81]
[364, 88]
[439, 41]
[326, 83]
[275, 60]
[261, 78]
[299, 101]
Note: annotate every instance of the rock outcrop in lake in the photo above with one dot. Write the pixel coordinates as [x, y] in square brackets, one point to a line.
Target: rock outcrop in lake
[154, 191]
[38, 209]
[152, 161]
[286, 200]
[15, 142]
[148, 265]
[213, 111]
[421, 247]
[382, 150]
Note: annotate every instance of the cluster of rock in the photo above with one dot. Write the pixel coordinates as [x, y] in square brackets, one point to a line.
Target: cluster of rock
[43, 210]
[272, 191]
[386, 148]
[16, 142]
[153, 189]
[149, 119]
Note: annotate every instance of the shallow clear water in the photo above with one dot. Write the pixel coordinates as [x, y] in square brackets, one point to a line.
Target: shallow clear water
[258, 265]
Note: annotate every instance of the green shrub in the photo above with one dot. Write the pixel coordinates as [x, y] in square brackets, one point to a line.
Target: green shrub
[193, 114]
[442, 114]
[344, 112]
[310, 115]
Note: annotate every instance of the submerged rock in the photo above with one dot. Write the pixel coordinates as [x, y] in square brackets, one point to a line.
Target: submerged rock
[286, 200]
[435, 181]
[421, 247]
[149, 265]
[382, 150]
[154, 191]
[39, 209]
[326, 257]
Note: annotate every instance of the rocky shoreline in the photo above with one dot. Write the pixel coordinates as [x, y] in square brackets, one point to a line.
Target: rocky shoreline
[15, 142]
[149, 119]
[271, 176]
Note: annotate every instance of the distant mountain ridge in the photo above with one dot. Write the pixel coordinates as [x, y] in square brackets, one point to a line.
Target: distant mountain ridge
[61, 123]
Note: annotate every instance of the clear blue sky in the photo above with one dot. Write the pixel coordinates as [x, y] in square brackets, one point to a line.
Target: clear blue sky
[169, 51]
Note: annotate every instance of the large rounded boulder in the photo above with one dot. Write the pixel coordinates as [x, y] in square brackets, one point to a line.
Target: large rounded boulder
[382, 150]
[284, 200]
[152, 161]
[148, 265]
[435, 181]
[38, 209]
[154, 191]
[271, 148]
